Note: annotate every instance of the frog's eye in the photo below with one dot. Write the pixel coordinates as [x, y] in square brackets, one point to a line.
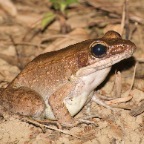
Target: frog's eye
[99, 50]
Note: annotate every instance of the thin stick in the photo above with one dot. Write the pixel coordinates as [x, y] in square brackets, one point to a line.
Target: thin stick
[133, 78]
[140, 60]
[123, 18]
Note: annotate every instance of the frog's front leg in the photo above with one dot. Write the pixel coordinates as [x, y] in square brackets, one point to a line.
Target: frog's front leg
[63, 112]
[56, 101]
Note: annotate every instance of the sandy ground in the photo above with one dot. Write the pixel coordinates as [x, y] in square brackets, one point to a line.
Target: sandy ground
[22, 37]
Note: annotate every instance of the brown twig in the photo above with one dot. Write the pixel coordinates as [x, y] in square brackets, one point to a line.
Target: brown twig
[17, 53]
[123, 19]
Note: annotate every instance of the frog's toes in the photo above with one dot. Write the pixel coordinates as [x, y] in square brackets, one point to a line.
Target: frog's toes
[96, 99]
[87, 122]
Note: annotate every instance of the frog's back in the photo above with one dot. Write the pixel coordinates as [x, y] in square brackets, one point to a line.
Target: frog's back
[51, 70]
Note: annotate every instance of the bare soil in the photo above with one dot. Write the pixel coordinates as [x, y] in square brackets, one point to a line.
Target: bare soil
[22, 38]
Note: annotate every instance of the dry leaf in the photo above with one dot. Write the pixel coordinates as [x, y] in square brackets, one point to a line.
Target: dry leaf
[118, 84]
[8, 71]
[138, 95]
[115, 27]
[139, 84]
[120, 100]
[30, 19]
[75, 36]
[9, 7]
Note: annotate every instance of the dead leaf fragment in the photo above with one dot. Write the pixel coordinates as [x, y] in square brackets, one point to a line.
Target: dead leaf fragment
[75, 36]
[118, 84]
[115, 27]
[9, 7]
[120, 100]
[137, 110]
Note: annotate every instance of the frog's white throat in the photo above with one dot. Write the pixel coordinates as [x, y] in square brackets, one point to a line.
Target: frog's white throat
[95, 78]
[84, 89]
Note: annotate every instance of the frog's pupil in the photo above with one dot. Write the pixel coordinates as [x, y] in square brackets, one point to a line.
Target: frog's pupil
[99, 50]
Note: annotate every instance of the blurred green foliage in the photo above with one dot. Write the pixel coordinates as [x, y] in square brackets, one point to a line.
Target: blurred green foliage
[61, 5]
[47, 19]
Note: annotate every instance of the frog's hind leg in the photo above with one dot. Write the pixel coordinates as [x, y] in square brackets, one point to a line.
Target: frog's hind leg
[23, 101]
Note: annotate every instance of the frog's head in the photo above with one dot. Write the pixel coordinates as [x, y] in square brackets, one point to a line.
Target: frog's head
[108, 50]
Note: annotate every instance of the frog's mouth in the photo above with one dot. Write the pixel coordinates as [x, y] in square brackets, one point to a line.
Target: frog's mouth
[108, 62]
[104, 63]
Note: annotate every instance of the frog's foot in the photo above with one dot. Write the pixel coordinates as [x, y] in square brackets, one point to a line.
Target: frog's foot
[60, 125]
[43, 126]
[33, 122]
[77, 122]
[110, 103]
[99, 101]
[50, 122]
[87, 121]
[84, 120]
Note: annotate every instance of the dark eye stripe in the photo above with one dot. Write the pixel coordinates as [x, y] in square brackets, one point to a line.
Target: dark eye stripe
[99, 50]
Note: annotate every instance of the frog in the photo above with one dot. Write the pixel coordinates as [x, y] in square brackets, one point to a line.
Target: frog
[57, 85]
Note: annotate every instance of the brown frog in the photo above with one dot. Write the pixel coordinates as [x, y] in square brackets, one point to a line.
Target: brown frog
[57, 85]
